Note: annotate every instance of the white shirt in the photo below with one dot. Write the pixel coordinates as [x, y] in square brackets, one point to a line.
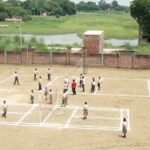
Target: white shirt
[124, 123]
[4, 106]
[49, 71]
[65, 86]
[16, 75]
[35, 72]
[86, 106]
[31, 94]
[40, 80]
[50, 93]
[93, 83]
[83, 80]
[66, 80]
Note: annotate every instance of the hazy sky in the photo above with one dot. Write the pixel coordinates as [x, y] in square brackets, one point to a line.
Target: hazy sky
[121, 2]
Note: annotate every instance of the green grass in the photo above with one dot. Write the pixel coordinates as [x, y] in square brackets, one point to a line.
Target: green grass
[115, 25]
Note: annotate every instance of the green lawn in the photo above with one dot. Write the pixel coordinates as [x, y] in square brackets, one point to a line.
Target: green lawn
[115, 25]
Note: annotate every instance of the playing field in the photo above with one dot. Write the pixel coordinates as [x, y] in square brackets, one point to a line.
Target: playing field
[41, 126]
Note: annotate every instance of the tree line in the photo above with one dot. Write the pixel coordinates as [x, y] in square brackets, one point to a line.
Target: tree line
[24, 9]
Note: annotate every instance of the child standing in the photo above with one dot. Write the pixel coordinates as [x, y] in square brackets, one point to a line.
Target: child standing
[73, 85]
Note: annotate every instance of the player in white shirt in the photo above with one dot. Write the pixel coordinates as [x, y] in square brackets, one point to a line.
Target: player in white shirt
[49, 74]
[124, 127]
[85, 110]
[46, 92]
[32, 97]
[50, 96]
[65, 87]
[16, 78]
[40, 83]
[4, 107]
[35, 74]
[93, 84]
[83, 84]
[66, 80]
[65, 99]
[99, 83]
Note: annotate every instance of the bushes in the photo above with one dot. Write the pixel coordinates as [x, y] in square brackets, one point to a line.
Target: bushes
[14, 44]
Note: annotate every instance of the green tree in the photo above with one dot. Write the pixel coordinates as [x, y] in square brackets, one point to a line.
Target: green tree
[140, 10]
[102, 5]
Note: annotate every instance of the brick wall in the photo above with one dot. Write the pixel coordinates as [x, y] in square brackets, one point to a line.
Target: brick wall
[117, 60]
[141, 62]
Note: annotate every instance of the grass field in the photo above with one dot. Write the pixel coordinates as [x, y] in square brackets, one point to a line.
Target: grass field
[116, 25]
[63, 128]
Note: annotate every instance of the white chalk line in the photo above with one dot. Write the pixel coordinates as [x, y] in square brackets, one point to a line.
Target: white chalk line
[46, 118]
[3, 81]
[115, 95]
[67, 107]
[70, 118]
[14, 113]
[106, 118]
[25, 115]
[80, 127]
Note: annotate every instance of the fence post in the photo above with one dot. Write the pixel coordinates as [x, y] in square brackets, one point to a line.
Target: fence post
[5, 57]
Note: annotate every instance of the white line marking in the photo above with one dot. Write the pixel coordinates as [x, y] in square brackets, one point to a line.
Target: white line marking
[69, 120]
[148, 86]
[6, 79]
[116, 95]
[109, 118]
[46, 118]
[25, 115]
[68, 107]
[15, 113]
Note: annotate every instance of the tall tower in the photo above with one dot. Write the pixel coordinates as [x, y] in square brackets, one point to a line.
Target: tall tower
[93, 40]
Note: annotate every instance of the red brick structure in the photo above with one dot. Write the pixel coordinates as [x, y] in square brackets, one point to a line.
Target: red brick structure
[93, 41]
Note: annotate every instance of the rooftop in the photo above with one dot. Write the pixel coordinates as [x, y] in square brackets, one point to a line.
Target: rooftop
[93, 32]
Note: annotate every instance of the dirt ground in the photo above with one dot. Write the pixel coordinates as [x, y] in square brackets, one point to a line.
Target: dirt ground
[120, 89]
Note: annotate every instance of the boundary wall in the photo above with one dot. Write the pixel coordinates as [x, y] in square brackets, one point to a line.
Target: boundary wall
[121, 59]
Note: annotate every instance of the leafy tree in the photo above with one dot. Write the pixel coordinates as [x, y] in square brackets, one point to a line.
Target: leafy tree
[140, 10]
[102, 5]
[87, 7]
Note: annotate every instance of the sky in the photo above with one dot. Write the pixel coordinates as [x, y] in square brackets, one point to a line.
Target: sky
[121, 2]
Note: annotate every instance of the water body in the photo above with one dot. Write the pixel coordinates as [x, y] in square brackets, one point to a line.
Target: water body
[73, 38]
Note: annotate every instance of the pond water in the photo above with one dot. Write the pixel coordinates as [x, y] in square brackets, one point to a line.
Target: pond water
[73, 38]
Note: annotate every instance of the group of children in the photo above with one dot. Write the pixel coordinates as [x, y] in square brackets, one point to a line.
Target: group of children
[95, 85]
